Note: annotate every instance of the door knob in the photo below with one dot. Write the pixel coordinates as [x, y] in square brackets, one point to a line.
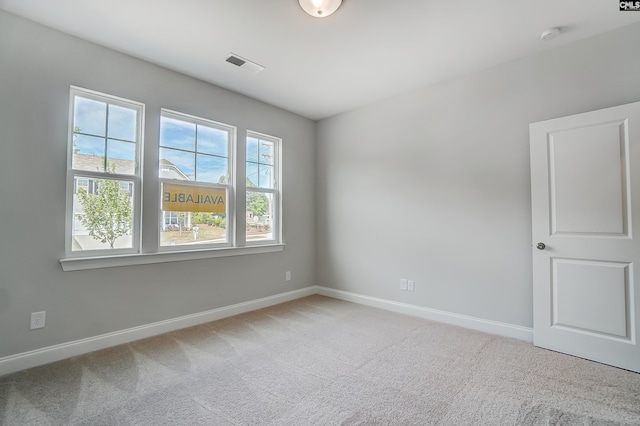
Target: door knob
[541, 246]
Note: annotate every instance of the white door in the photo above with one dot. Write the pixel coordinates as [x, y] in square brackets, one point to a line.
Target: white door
[585, 193]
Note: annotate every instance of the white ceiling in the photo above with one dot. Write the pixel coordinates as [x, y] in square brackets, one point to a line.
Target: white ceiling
[367, 50]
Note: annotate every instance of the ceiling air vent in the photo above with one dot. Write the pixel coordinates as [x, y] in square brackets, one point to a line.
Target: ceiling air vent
[244, 63]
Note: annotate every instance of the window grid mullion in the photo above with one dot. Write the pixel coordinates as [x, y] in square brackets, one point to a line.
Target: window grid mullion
[104, 137]
[195, 154]
[106, 133]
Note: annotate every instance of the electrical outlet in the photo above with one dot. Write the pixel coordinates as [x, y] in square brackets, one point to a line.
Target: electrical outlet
[37, 320]
[411, 285]
[287, 275]
[403, 284]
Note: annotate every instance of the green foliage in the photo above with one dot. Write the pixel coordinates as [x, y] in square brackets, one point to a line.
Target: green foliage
[257, 203]
[76, 150]
[220, 222]
[202, 218]
[108, 212]
[213, 219]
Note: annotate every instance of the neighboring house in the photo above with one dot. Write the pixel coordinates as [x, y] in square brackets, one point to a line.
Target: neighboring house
[168, 170]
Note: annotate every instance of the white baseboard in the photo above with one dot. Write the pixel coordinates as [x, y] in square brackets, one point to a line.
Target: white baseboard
[54, 353]
[487, 326]
[22, 361]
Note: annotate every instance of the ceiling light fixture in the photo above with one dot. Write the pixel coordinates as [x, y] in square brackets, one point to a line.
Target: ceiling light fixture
[550, 34]
[320, 8]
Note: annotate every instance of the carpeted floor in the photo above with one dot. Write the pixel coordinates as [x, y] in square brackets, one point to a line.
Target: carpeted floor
[321, 361]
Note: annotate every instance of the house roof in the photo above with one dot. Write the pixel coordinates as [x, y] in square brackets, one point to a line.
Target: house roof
[94, 163]
[168, 170]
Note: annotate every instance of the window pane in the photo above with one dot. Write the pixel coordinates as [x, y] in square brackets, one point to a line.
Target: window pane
[252, 149]
[102, 218]
[213, 141]
[81, 185]
[122, 123]
[260, 163]
[89, 116]
[121, 157]
[211, 169]
[183, 163]
[189, 228]
[89, 162]
[89, 145]
[192, 214]
[266, 152]
[168, 170]
[266, 176]
[177, 134]
[252, 175]
[260, 217]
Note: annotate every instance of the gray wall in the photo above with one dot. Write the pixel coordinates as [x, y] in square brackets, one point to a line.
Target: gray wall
[37, 66]
[433, 185]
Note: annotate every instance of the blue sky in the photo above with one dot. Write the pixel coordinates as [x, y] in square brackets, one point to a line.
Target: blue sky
[200, 152]
[260, 162]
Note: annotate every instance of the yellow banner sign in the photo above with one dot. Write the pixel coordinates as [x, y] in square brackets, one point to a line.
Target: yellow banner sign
[191, 198]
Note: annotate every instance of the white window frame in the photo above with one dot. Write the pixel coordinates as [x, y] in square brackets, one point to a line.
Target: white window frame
[136, 178]
[236, 245]
[230, 215]
[276, 191]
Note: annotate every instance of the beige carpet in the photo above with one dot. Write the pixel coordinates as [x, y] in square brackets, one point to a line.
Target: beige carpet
[321, 361]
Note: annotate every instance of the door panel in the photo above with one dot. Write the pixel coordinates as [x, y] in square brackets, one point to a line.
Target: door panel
[584, 205]
[586, 175]
[591, 296]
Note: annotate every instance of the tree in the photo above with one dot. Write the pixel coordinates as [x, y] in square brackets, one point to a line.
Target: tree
[107, 212]
[76, 150]
[257, 203]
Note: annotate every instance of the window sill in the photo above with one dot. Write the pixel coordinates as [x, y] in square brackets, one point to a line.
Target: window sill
[84, 263]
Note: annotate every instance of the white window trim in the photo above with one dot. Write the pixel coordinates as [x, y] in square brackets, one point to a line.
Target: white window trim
[136, 178]
[276, 190]
[97, 262]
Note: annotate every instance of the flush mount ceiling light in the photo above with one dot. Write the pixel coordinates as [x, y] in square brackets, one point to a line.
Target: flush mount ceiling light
[550, 34]
[320, 8]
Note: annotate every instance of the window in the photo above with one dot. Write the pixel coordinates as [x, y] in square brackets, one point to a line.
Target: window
[263, 196]
[196, 173]
[196, 182]
[103, 173]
